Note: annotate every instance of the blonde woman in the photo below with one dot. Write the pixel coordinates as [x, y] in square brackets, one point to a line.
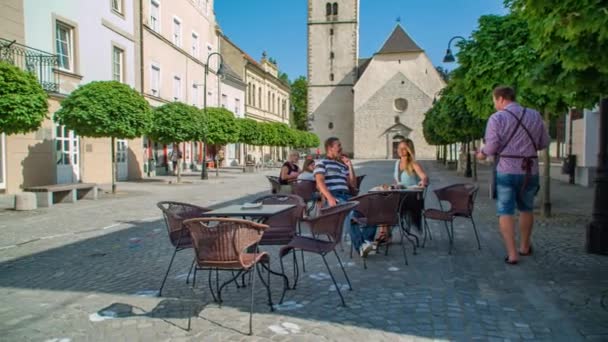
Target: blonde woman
[407, 171]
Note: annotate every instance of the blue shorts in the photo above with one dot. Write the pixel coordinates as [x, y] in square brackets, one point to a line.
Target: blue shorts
[509, 193]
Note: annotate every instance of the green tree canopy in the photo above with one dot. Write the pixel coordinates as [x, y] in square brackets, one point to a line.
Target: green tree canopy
[249, 131]
[176, 122]
[572, 34]
[299, 103]
[105, 109]
[23, 102]
[222, 127]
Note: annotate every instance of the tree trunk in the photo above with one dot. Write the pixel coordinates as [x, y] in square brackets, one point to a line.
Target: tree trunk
[113, 141]
[474, 163]
[546, 196]
[437, 156]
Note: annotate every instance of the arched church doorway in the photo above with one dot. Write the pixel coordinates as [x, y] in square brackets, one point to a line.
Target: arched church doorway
[394, 135]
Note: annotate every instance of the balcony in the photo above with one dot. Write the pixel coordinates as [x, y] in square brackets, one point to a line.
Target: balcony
[37, 62]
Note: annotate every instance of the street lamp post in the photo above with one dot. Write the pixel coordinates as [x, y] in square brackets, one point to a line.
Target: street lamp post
[449, 58]
[204, 174]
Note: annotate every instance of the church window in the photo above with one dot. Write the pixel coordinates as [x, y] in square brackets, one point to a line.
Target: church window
[331, 31]
[400, 105]
[331, 55]
[253, 102]
[331, 77]
[328, 9]
[331, 125]
[335, 8]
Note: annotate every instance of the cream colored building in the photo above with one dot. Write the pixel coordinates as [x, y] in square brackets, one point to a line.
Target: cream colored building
[266, 97]
[178, 36]
[369, 103]
[65, 48]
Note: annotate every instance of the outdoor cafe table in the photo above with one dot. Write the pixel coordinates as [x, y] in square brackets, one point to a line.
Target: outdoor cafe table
[404, 194]
[261, 214]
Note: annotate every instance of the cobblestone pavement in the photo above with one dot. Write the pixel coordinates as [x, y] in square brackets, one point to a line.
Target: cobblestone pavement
[89, 271]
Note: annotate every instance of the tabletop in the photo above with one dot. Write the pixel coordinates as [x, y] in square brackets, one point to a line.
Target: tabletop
[265, 210]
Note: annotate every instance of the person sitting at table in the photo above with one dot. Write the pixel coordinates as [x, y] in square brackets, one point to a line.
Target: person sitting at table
[408, 173]
[307, 171]
[290, 170]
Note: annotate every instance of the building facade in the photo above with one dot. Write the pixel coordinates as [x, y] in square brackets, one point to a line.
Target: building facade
[266, 96]
[369, 103]
[233, 99]
[66, 44]
[177, 38]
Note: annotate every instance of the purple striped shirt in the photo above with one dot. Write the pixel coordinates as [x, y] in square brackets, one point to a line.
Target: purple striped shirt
[500, 127]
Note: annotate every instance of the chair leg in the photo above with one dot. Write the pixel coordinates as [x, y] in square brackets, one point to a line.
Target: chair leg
[190, 271]
[210, 284]
[476, 234]
[450, 235]
[334, 280]
[194, 277]
[343, 270]
[219, 291]
[296, 269]
[251, 308]
[265, 283]
[160, 291]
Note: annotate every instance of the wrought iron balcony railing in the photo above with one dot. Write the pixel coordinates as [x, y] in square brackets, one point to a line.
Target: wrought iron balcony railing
[38, 62]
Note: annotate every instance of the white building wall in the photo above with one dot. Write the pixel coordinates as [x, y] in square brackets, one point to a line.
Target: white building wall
[93, 38]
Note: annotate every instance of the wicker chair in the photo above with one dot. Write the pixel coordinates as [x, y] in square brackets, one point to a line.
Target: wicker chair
[175, 213]
[356, 190]
[276, 187]
[221, 244]
[461, 198]
[283, 227]
[329, 224]
[308, 191]
[378, 209]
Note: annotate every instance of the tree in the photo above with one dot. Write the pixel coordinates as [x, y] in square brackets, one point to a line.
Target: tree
[574, 33]
[221, 129]
[104, 109]
[444, 73]
[249, 132]
[176, 122]
[299, 103]
[23, 102]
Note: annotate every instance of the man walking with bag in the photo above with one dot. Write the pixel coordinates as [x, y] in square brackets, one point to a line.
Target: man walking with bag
[514, 135]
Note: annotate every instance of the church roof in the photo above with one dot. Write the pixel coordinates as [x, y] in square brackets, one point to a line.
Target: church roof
[399, 41]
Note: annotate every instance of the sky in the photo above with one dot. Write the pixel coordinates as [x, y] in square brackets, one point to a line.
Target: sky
[279, 26]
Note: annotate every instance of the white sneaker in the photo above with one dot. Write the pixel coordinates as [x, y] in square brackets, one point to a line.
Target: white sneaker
[365, 248]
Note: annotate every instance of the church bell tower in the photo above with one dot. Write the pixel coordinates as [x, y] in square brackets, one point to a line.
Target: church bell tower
[333, 50]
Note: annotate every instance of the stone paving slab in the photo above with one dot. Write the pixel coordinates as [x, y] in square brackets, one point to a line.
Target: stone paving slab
[66, 286]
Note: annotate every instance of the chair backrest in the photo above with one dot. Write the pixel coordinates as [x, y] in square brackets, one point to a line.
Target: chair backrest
[222, 241]
[175, 213]
[330, 221]
[275, 184]
[379, 208]
[287, 218]
[359, 181]
[460, 196]
[304, 189]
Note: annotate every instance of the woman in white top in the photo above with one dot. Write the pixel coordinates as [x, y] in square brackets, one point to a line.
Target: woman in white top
[307, 169]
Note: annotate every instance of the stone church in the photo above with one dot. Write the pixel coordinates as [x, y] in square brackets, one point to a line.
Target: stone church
[369, 103]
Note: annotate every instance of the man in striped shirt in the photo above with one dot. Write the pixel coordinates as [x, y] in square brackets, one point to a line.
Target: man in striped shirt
[333, 175]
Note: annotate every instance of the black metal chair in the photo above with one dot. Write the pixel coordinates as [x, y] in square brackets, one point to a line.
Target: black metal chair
[461, 198]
